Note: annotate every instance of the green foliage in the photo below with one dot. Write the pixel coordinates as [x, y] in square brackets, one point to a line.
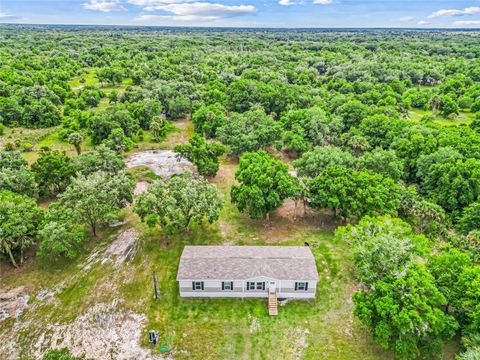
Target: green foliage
[383, 162]
[53, 172]
[76, 140]
[178, 202]
[159, 126]
[202, 153]
[11, 160]
[264, 184]
[470, 354]
[404, 315]
[449, 180]
[15, 176]
[470, 219]
[60, 235]
[314, 126]
[447, 267]
[469, 288]
[250, 131]
[382, 246]
[178, 107]
[96, 199]
[20, 181]
[61, 354]
[427, 217]
[144, 111]
[352, 113]
[314, 162]
[448, 106]
[351, 193]
[103, 123]
[20, 218]
[102, 159]
[380, 130]
[410, 146]
[207, 119]
[118, 141]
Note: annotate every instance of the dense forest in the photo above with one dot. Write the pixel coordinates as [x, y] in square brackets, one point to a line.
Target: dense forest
[375, 131]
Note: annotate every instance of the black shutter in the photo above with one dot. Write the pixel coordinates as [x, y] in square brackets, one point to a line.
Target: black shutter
[202, 285]
[193, 285]
[306, 286]
[223, 285]
[231, 285]
[296, 286]
[248, 285]
[263, 286]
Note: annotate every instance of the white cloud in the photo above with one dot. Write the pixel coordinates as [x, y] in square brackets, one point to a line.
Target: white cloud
[466, 22]
[149, 3]
[423, 23]
[472, 10]
[407, 19]
[104, 5]
[197, 11]
[322, 2]
[287, 2]
[7, 17]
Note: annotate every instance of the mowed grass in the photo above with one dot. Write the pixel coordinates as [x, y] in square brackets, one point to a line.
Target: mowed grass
[323, 328]
[209, 328]
[464, 118]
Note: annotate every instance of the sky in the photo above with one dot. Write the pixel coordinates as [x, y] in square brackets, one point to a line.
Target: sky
[247, 13]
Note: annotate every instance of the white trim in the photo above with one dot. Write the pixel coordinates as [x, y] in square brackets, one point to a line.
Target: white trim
[233, 294]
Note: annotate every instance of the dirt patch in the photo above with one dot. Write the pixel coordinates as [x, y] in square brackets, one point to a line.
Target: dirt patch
[13, 302]
[123, 248]
[164, 163]
[141, 187]
[254, 324]
[104, 332]
[184, 128]
[226, 174]
[296, 338]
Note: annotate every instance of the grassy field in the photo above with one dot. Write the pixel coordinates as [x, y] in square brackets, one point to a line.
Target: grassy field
[463, 118]
[204, 328]
[323, 328]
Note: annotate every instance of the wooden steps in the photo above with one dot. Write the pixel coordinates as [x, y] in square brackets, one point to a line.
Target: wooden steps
[272, 304]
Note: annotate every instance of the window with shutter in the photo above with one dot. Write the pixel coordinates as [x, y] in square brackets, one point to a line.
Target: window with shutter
[197, 285]
[227, 285]
[301, 286]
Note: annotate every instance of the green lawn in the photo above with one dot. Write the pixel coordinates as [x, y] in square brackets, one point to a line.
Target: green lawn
[463, 118]
[209, 328]
[213, 328]
[323, 328]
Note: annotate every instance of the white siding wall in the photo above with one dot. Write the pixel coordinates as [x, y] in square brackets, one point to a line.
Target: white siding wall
[213, 288]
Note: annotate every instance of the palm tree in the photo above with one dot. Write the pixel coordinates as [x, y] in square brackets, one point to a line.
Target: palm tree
[157, 126]
[76, 140]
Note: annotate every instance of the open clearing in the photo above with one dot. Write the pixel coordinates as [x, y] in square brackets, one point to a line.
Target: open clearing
[102, 304]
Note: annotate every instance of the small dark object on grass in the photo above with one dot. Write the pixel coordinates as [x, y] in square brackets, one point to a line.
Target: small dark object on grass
[153, 337]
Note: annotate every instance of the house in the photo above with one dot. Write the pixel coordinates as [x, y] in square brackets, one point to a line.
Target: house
[248, 271]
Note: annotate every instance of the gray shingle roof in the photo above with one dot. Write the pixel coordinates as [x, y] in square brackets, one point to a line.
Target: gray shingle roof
[246, 262]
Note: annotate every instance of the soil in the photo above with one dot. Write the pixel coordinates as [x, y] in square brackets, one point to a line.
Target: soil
[181, 135]
[123, 248]
[164, 163]
[105, 331]
[141, 187]
[13, 302]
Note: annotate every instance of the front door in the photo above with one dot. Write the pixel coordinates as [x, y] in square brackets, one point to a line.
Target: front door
[272, 287]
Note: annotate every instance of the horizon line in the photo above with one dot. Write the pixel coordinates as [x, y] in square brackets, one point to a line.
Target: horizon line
[249, 27]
